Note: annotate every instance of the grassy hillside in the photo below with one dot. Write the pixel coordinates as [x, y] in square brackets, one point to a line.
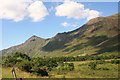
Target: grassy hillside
[32, 46]
[98, 36]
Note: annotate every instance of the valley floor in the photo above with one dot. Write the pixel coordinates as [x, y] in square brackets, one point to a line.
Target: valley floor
[82, 70]
[107, 70]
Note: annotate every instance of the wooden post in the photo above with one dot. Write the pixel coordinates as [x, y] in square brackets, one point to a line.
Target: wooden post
[14, 74]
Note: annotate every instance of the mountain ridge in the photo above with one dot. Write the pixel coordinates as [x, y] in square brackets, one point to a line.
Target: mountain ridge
[101, 28]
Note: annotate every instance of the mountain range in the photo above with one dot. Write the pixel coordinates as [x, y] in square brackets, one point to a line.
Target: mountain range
[98, 36]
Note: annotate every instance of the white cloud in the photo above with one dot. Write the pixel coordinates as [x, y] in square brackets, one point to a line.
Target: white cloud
[72, 9]
[92, 14]
[72, 24]
[37, 11]
[13, 9]
[18, 10]
[65, 24]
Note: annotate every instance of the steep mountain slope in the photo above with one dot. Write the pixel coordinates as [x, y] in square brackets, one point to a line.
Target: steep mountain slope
[94, 37]
[99, 35]
[30, 46]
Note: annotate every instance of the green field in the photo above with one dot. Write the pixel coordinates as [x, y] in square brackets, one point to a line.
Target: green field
[82, 70]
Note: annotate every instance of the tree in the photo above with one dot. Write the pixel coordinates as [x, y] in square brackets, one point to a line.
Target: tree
[15, 58]
[21, 56]
[39, 71]
[9, 61]
[71, 66]
[25, 66]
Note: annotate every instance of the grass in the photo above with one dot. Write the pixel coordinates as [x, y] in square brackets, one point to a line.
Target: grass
[6, 73]
[82, 70]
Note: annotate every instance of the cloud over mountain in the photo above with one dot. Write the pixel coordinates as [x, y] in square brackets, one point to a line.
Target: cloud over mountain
[75, 10]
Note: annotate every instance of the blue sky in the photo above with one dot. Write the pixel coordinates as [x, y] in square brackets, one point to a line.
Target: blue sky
[16, 32]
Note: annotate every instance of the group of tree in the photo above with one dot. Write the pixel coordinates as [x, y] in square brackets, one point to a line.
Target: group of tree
[24, 63]
[84, 58]
[38, 66]
[41, 66]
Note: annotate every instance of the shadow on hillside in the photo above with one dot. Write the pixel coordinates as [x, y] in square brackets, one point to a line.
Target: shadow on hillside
[104, 44]
[54, 45]
[109, 49]
[76, 47]
[58, 42]
[92, 41]
[112, 45]
[61, 39]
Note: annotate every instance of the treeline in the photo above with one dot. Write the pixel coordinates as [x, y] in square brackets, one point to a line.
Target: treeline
[84, 58]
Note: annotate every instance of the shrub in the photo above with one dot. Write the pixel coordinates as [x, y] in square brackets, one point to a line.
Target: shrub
[9, 61]
[105, 68]
[93, 65]
[21, 56]
[15, 58]
[71, 66]
[40, 72]
[100, 62]
[115, 61]
[25, 66]
[51, 64]
[66, 66]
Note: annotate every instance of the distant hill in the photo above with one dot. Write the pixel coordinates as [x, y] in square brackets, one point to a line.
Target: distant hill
[99, 35]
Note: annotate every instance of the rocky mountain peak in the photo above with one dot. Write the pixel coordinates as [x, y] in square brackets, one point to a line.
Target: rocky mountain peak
[33, 38]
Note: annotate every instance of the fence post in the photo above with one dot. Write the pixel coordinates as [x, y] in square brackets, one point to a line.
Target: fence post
[14, 74]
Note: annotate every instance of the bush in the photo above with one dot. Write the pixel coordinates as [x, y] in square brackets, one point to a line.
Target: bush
[21, 56]
[100, 62]
[71, 66]
[15, 58]
[115, 61]
[51, 64]
[105, 68]
[9, 61]
[66, 66]
[40, 72]
[93, 65]
[25, 66]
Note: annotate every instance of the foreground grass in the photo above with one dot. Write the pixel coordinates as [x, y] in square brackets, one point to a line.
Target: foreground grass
[6, 73]
[82, 70]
